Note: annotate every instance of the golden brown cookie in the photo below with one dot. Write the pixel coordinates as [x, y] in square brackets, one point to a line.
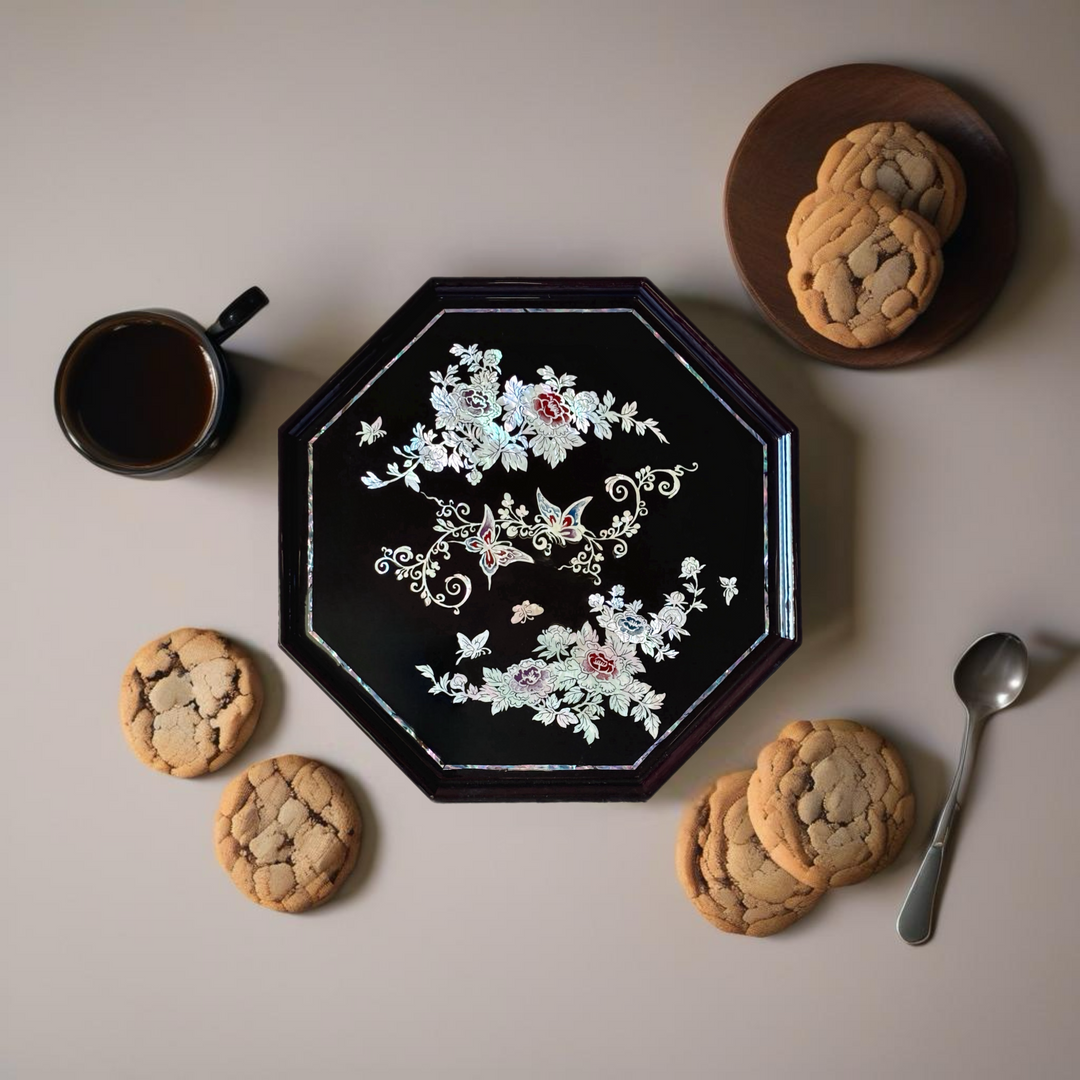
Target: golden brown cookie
[861, 270]
[288, 833]
[830, 802]
[189, 701]
[919, 173]
[726, 872]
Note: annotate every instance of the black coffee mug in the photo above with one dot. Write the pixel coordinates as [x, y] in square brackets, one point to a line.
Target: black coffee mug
[150, 393]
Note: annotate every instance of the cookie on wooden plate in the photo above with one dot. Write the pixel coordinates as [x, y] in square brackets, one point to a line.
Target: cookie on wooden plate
[862, 270]
[725, 871]
[189, 701]
[287, 832]
[919, 173]
[830, 802]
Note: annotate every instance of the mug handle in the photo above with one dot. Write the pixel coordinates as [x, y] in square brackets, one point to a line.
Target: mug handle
[236, 314]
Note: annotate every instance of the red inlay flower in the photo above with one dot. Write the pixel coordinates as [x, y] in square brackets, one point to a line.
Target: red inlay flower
[601, 663]
[552, 408]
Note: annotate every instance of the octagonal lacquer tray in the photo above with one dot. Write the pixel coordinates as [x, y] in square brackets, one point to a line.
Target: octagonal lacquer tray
[538, 538]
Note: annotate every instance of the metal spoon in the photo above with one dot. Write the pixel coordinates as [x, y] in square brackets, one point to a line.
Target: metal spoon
[988, 678]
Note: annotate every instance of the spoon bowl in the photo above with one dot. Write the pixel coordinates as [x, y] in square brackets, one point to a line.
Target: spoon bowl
[991, 674]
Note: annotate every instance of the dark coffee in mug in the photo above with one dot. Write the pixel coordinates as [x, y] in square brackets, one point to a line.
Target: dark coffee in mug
[142, 393]
[151, 393]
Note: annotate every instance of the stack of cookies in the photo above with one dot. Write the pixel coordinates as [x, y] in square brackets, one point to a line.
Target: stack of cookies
[828, 805]
[866, 245]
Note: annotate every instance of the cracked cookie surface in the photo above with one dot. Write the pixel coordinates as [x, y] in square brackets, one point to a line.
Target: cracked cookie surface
[189, 701]
[725, 871]
[918, 172]
[288, 833]
[862, 270]
[830, 801]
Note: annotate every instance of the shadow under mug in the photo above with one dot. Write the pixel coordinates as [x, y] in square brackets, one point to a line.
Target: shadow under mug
[150, 393]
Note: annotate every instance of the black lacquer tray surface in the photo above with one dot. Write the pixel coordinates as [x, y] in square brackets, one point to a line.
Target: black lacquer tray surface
[538, 538]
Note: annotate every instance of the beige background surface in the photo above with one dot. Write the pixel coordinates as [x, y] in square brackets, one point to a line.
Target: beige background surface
[338, 155]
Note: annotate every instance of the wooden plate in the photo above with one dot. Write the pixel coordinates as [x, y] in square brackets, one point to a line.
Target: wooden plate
[776, 164]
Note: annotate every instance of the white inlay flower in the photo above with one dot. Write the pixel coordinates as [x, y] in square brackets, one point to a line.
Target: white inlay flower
[579, 676]
[433, 456]
[554, 641]
[480, 426]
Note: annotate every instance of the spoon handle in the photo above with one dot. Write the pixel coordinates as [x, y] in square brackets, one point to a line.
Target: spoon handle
[916, 921]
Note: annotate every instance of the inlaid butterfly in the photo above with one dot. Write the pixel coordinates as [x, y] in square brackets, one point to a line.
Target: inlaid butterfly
[525, 611]
[471, 648]
[564, 525]
[493, 552]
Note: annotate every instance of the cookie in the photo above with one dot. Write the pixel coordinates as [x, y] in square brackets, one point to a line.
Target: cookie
[288, 833]
[861, 270]
[189, 701]
[830, 802]
[726, 872]
[919, 173]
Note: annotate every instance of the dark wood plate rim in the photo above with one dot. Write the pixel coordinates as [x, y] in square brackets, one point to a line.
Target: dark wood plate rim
[959, 304]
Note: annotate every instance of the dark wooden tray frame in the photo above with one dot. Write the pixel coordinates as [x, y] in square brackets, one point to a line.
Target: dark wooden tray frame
[710, 364]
